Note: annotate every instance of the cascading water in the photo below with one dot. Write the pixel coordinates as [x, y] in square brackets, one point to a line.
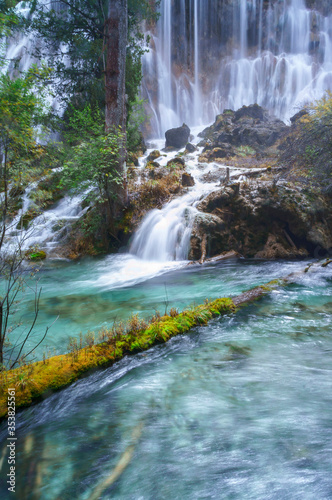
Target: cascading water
[46, 230]
[164, 235]
[208, 55]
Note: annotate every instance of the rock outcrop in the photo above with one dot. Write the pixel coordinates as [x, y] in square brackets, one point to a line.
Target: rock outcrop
[250, 129]
[177, 138]
[263, 219]
[187, 180]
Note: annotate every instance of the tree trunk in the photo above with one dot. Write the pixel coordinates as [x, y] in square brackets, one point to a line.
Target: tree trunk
[116, 43]
[115, 90]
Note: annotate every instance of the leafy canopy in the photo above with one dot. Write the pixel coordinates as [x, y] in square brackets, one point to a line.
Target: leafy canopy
[94, 162]
[22, 107]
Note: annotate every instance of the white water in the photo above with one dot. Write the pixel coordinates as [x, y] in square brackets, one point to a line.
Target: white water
[279, 57]
[46, 230]
[164, 234]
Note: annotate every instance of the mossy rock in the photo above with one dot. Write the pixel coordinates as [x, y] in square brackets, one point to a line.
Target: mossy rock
[27, 218]
[152, 164]
[176, 162]
[153, 155]
[35, 255]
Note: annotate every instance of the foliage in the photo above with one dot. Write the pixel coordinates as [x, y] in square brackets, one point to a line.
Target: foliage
[94, 164]
[21, 108]
[136, 119]
[309, 147]
[8, 20]
[74, 31]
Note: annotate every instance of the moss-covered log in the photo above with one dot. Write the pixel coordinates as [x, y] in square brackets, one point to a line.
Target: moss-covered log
[36, 381]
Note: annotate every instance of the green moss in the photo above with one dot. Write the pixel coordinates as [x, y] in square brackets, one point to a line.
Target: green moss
[27, 218]
[60, 371]
[271, 285]
[36, 255]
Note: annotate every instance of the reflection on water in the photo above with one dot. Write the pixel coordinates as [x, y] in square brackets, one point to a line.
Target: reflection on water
[240, 409]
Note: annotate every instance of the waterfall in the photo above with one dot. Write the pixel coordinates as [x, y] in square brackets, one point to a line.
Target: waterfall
[164, 234]
[208, 55]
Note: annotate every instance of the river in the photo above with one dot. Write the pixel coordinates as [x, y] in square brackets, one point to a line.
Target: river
[241, 408]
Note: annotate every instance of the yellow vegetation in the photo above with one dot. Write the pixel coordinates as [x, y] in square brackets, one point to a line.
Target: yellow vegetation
[35, 381]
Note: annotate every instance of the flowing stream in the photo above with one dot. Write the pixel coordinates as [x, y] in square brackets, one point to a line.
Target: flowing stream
[93, 293]
[238, 409]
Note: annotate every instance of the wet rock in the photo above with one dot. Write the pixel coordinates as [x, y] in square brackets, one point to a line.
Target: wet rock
[187, 180]
[177, 137]
[177, 162]
[265, 220]
[250, 126]
[157, 172]
[153, 155]
[190, 148]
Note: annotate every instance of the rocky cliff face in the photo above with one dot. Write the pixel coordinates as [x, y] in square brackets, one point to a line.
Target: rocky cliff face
[250, 127]
[271, 214]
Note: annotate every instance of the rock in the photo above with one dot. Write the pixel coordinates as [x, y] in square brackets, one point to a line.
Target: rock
[133, 159]
[177, 137]
[298, 115]
[35, 255]
[27, 217]
[153, 155]
[275, 249]
[152, 165]
[253, 111]
[265, 220]
[190, 148]
[248, 130]
[187, 180]
[215, 154]
[177, 161]
[214, 175]
[205, 227]
[158, 172]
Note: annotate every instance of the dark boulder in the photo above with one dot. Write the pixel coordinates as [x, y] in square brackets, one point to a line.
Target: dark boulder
[190, 148]
[253, 111]
[250, 126]
[187, 180]
[176, 162]
[298, 115]
[177, 137]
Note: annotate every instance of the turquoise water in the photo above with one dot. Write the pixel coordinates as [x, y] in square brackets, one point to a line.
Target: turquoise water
[93, 293]
[240, 409]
